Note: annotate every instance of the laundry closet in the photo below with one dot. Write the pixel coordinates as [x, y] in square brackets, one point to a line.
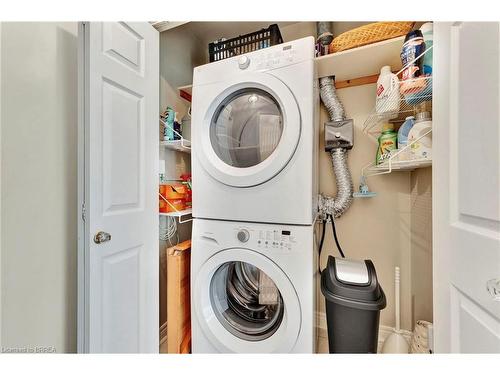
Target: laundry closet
[392, 229]
[389, 222]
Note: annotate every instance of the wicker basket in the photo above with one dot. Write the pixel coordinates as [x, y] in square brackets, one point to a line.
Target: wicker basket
[368, 34]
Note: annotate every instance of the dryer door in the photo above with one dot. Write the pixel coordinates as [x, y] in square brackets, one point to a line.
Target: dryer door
[250, 130]
[246, 304]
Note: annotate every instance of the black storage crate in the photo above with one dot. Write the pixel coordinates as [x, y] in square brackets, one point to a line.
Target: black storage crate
[221, 50]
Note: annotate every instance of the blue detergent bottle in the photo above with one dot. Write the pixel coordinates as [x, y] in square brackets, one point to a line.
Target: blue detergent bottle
[404, 130]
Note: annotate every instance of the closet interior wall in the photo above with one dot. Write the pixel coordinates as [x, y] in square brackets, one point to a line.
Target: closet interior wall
[180, 53]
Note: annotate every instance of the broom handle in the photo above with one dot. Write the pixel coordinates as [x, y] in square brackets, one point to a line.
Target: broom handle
[396, 292]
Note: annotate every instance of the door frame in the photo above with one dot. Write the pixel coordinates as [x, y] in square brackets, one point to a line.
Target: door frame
[82, 257]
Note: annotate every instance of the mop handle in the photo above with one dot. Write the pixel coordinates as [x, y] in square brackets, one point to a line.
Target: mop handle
[396, 293]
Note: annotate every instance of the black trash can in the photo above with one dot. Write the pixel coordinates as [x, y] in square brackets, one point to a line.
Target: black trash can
[354, 299]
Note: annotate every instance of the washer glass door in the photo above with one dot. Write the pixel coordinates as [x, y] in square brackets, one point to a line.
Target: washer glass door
[246, 301]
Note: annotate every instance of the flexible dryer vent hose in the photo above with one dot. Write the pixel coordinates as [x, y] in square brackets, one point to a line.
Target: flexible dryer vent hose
[337, 205]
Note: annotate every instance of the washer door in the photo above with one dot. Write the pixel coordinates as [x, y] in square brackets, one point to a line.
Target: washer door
[250, 131]
[246, 304]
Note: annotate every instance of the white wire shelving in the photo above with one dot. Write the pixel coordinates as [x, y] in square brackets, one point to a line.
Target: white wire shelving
[179, 214]
[400, 160]
[402, 101]
[405, 99]
[182, 144]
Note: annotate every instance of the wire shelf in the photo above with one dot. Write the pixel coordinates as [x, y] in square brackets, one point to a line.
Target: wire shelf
[176, 213]
[402, 101]
[181, 144]
[399, 160]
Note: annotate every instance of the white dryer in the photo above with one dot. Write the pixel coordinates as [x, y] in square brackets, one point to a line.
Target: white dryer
[254, 136]
[252, 288]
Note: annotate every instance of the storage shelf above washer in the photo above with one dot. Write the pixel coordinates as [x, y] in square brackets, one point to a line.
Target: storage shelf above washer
[361, 61]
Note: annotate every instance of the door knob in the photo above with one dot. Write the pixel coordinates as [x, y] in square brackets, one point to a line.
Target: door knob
[101, 237]
[493, 286]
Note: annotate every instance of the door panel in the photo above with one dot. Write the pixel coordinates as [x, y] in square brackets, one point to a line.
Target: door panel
[121, 78]
[123, 148]
[466, 186]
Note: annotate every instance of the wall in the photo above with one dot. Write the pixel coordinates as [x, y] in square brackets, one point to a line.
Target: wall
[421, 244]
[38, 191]
[373, 228]
[180, 52]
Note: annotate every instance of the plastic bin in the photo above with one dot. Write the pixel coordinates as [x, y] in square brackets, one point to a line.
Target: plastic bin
[264, 38]
[354, 299]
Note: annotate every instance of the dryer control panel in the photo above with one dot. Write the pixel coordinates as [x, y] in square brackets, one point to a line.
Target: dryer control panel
[262, 239]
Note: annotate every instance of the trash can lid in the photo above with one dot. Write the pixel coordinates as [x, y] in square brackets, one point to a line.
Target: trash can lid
[352, 283]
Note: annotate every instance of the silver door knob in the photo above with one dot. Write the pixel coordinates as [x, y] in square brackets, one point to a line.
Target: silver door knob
[493, 286]
[101, 237]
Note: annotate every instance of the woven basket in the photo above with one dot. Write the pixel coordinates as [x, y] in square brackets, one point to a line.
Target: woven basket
[368, 34]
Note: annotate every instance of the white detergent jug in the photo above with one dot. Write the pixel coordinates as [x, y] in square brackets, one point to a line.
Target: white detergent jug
[388, 97]
[420, 136]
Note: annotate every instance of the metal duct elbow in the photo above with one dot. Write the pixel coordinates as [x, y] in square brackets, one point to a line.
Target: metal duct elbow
[337, 205]
[330, 99]
[324, 32]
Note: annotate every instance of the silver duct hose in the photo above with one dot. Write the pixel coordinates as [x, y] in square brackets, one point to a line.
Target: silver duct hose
[337, 205]
[330, 99]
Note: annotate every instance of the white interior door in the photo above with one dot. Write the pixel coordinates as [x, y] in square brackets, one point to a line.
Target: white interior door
[118, 270]
[466, 187]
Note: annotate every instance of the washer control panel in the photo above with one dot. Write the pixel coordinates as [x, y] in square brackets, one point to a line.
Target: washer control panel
[275, 58]
[266, 239]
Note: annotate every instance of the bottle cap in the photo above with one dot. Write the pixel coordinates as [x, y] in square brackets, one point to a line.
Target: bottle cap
[423, 116]
[386, 69]
[387, 126]
[413, 34]
[426, 27]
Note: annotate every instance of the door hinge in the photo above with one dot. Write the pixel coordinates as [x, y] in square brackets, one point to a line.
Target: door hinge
[84, 212]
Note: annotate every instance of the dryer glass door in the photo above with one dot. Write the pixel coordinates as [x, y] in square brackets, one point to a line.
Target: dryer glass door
[246, 301]
[246, 128]
[249, 131]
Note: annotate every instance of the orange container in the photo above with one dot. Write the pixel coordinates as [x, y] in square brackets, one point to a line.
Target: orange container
[177, 191]
[172, 205]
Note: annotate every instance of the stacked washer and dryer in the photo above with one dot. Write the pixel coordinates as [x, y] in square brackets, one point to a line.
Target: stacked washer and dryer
[254, 166]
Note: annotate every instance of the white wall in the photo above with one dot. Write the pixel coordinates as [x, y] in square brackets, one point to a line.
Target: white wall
[180, 52]
[38, 184]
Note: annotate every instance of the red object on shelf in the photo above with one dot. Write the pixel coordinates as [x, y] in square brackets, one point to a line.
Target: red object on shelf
[186, 178]
[185, 95]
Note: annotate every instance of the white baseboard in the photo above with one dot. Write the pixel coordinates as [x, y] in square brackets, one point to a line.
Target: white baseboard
[383, 331]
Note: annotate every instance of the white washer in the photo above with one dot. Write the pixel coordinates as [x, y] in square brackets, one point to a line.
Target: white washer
[235, 264]
[254, 127]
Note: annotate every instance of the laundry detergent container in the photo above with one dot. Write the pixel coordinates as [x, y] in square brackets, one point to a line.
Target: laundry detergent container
[353, 300]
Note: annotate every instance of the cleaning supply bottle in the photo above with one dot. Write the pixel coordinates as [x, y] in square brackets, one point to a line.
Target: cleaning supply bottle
[426, 30]
[388, 97]
[404, 130]
[387, 142]
[168, 132]
[420, 136]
